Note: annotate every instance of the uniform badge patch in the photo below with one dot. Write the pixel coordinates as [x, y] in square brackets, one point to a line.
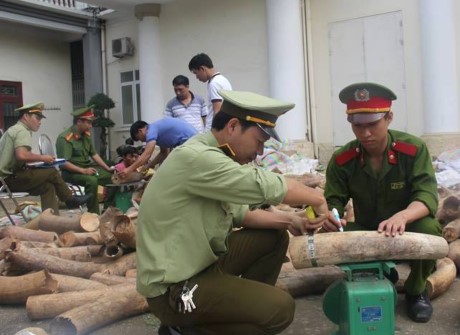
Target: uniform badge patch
[398, 185]
[362, 95]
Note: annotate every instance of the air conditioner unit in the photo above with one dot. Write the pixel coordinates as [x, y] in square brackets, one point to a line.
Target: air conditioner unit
[122, 47]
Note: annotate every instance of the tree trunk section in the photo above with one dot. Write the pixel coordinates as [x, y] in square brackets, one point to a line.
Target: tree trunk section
[58, 224]
[107, 309]
[16, 290]
[47, 306]
[24, 234]
[362, 246]
[72, 283]
[124, 230]
[72, 239]
[451, 231]
[89, 221]
[440, 280]
[454, 253]
[307, 281]
[111, 279]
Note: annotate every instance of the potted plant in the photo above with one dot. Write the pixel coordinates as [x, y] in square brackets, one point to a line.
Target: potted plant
[102, 105]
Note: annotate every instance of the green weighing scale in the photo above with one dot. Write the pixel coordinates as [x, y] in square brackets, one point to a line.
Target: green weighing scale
[363, 302]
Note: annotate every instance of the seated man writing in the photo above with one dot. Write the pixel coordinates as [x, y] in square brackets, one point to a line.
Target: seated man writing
[15, 146]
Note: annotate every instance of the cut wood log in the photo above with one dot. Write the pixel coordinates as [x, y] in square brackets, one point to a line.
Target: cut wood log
[72, 239]
[454, 253]
[47, 306]
[5, 244]
[451, 231]
[72, 283]
[307, 281]
[29, 260]
[107, 309]
[440, 280]
[112, 252]
[32, 223]
[124, 230]
[59, 224]
[80, 254]
[133, 273]
[32, 244]
[16, 290]
[89, 221]
[111, 279]
[362, 246]
[449, 210]
[24, 234]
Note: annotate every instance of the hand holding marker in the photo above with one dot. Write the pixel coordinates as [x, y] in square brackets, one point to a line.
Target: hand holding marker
[337, 217]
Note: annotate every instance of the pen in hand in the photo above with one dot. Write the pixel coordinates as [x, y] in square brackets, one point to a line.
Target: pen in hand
[337, 217]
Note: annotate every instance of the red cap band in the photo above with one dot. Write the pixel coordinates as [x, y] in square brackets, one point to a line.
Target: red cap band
[373, 105]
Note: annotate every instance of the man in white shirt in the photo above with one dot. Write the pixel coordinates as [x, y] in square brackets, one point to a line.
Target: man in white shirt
[202, 67]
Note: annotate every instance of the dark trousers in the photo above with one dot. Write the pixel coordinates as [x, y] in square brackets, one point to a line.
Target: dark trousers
[420, 269]
[90, 184]
[236, 294]
[47, 183]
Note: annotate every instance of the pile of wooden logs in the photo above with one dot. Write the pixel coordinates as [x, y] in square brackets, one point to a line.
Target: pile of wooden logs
[64, 268]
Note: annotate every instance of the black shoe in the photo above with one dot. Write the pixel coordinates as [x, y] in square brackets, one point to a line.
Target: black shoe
[78, 200]
[165, 330]
[419, 307]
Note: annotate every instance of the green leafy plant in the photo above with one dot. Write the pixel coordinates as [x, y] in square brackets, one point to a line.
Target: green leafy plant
[102, 105]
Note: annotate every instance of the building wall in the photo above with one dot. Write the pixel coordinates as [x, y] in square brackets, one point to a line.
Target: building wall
[323, 12]
[43, 66]
[232, 33]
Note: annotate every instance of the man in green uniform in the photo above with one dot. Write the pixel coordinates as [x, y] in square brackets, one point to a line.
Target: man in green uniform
[195, 271]
[84, 166]
[390, 178]
[15, 146]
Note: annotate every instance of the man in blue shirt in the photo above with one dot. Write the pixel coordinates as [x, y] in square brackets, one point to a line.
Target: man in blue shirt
[167, 133]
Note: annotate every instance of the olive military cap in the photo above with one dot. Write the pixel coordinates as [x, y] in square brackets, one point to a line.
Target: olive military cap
[35, 108]
[262, 110]
[84, 113]
[366, 102]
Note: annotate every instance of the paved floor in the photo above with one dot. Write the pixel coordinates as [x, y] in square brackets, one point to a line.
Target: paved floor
[309, 319]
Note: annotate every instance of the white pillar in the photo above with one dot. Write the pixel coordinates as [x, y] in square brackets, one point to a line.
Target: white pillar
[152, 104]
[439, 69]
[286, 65]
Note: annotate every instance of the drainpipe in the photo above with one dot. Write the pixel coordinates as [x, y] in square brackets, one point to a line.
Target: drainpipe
[309, 76]
[104, 81]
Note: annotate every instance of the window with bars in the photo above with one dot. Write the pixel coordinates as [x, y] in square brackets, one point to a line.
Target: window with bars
[130, 96]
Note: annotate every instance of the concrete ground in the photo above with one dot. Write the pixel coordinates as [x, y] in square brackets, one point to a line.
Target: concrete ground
[309, 319]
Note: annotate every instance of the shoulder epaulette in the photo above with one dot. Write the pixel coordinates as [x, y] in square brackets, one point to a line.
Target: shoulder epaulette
[347, 156]
[405, 148]
[69, 136]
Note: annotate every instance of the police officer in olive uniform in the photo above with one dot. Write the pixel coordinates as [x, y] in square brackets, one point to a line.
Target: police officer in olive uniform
[84, 166]
[390, 178]
[196, 272]
[15, 146]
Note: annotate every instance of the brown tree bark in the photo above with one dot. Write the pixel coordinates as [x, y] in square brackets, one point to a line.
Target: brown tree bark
[454, 253]
[72, 239]
[307, 281]
[59, 224]
[5, 244]
[47, 306]
[16, 290]
[361, 246]
[451, 231]
[79, 254]
[24, 234]
[124, 230]
[105, 310]
[449, 209]
[111, 279]
[440, 280]
[72, 283]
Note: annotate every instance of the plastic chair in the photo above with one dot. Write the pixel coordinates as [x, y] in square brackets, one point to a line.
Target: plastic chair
[46, 147]
[5, 193]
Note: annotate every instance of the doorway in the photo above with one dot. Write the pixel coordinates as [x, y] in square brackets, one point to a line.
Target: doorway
[10, 99]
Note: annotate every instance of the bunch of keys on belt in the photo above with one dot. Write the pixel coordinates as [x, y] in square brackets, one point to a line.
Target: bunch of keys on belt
[186, 298]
